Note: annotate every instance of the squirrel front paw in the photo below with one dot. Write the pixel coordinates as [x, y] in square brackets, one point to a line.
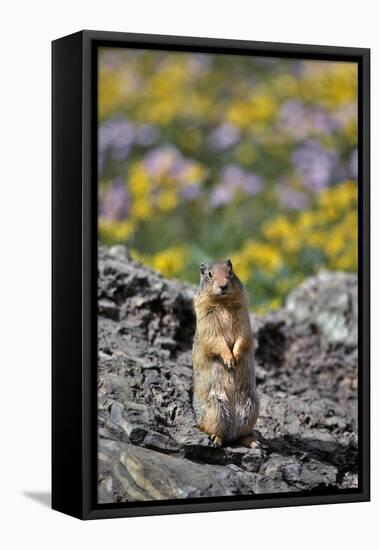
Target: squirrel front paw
[237, 350]
[229, 362]
[236, 357]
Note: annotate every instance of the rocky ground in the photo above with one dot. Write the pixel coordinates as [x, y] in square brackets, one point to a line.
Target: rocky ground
[306, 364]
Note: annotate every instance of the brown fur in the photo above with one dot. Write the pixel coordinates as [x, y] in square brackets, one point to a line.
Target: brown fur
[225, 398]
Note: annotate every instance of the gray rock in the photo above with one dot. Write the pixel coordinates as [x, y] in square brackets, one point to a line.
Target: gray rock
[330, 303]
[129, 472]
[120, 252]
[116, 413]
[306, 358]
[161, 442]
[106, 308]
[291, 471]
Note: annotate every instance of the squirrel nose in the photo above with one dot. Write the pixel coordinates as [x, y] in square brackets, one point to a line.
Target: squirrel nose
[224, 286]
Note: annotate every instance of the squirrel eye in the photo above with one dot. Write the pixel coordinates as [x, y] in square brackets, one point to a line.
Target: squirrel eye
[210, 274]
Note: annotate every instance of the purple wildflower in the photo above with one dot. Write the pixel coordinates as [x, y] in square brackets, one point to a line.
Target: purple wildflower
[221, 194]
[353, 165]
[167, 161]
[114, 201]
[146, 134]
[301, 122]
[224, 136]
[115, 139]
[199, 63]
[162, 160]
[291, 198]
[235, 180]
[190, 192]
[253, 184]
[240, 180]
[233, 176]
[314, 164]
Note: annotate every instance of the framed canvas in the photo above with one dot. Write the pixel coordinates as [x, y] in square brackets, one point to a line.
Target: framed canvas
[210, 275]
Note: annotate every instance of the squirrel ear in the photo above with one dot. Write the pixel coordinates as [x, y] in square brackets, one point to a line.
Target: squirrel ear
[202, 268]
[229, 263]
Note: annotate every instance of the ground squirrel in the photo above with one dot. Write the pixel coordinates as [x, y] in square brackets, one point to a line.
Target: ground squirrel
[225, 398]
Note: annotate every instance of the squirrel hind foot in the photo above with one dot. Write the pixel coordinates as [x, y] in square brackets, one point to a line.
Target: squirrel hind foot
[216, 440]
[249, 441]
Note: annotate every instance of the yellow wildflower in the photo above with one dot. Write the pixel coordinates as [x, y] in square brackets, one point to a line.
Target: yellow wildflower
[167, 199]
[283, 232]
[170, 261]
[138, 180]
[112, 232]
[256, 255]
[260, 107]
[275, 304]
[241, 266]
[141, 208]
[194, 173]
[330, 84]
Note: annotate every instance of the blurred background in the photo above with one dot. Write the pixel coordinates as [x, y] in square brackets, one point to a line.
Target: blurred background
[205, 157]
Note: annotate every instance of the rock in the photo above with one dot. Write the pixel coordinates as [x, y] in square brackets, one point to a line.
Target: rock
[120, 252]
[166, 343]
[316, 474]
[306, 362]
[330, 303]
[107, 308]
[116, 413]
[252, 460]
[144, 474]
[291, 471]
[161, 442]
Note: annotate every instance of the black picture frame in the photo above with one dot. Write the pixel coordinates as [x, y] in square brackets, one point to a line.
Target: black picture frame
[74, 271]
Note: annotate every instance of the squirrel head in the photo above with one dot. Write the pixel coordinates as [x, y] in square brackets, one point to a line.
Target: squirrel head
[218, 280]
